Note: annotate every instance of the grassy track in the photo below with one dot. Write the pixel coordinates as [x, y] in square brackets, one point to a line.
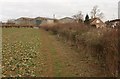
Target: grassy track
[35, 52]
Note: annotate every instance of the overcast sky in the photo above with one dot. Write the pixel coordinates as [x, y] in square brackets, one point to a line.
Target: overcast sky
[12, 9]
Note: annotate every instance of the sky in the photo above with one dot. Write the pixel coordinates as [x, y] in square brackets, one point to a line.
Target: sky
[13, 9]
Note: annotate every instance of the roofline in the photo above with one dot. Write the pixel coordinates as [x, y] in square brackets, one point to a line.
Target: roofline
[25, 18]
[114, 20]
[45, 18]
[66, 17]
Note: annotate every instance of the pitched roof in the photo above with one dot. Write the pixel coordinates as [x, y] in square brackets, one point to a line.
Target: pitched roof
[93, 19]
[66, 18]
[44, 18]
[25, 18]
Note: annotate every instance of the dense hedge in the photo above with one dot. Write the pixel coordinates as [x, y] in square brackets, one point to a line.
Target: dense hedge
[101, 43]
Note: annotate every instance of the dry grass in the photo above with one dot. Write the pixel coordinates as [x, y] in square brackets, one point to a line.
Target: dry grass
[101, 43]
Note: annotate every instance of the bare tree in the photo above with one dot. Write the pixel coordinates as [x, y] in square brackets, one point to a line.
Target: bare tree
[96, 12]
[78, 17]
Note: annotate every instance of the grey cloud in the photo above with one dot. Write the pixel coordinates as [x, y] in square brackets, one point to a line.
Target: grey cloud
[33, 8]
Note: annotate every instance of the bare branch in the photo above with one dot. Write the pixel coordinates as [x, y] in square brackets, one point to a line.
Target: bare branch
[78, 17]
[96, 12]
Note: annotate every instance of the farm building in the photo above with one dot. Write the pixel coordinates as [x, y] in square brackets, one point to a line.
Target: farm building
[29, 22]
[39, 20]
[43, 20]
[97, 22]
[23, 21]
[66, 20]
[113, 23]
[11, 21]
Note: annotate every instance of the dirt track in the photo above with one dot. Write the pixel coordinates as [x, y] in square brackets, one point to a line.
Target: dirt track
[63, 61]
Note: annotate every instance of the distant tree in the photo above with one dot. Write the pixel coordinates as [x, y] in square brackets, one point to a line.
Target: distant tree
[87, 20]
[96, 12]
[78, 17]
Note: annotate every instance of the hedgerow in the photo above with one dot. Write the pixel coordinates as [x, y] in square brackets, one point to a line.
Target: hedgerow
[102, 44]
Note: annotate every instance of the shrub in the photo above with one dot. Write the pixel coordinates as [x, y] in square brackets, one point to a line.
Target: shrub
[100, 43]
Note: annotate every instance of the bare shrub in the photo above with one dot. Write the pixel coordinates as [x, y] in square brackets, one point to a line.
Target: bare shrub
[100, 43]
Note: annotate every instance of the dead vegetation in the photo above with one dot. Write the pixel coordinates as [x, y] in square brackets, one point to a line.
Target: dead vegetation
[102, 44]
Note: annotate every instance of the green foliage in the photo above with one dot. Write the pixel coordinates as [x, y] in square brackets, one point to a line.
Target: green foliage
[20, 47]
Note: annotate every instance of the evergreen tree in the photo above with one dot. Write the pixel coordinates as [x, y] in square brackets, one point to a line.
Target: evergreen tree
[87, 20]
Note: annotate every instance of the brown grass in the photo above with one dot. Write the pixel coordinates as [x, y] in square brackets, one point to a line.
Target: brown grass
[100, 43]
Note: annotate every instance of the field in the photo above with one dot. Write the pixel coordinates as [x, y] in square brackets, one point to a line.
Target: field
[20, 48]
[29, 52]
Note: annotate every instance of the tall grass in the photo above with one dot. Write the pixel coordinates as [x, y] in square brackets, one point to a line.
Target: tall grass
[100, 43]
